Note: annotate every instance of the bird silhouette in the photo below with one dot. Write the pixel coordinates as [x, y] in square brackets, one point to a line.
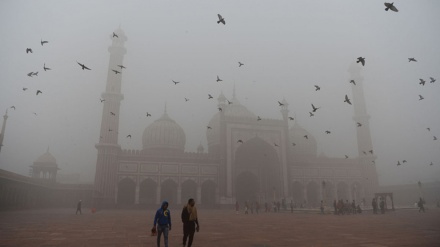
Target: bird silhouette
[276, 145]
[374, 162]
[306, 137]
[293, 144]
[347, 100]
[44, 42]
[46, 68]
[210, 96]
[311, 114]
[221, 19]
[148, 114]
[361, 60]
[422, 82]
[129, 136]
[240, 64]
[398, 163]
[328, 132]
[12, 107]
[390, 6]
[281, 104]
[429, 129]
[365, 153]
[102, 100]
[432, 79]
[240, 141]
[116, 72]
[186, 100]
[175, 82]
[421, 97]
[431, 164]
[291, 118]
[38, 92]
[346, 156]
[34, 113]
[317, 88]
[122, 67]
[258, 118]
[359, 124]
[110, 130]
[435, 138]
[411, 59]
[112, 113]
[83, 66]
[218, 79]
[353, 82]
[404, 161]
[30, 74]
[209, 127]
[220, 109]
[371, 151]
[28, 50]
[25, 88]
[315, 108]
[115, 35]
[35, 73]
[229, 102]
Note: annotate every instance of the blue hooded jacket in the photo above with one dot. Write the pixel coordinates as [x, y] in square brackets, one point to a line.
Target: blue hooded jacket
[163, 217]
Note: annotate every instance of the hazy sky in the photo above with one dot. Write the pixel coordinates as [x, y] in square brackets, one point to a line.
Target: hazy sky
[286, 46]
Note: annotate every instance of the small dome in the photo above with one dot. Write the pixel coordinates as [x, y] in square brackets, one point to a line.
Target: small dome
[164, 133]
[304, 147]
[46, 160]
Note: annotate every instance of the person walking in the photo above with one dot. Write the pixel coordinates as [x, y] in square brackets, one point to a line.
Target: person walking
[163, 221]
[190, 222]
[78, 207]
[420, 204]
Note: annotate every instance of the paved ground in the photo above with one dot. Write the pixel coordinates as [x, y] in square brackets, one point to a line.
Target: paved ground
[61, 227]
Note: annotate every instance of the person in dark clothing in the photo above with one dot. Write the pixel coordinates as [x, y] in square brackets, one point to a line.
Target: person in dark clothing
[382, 205]
[190, 222]
[420, 204]
[335, 206]
[374, 205]
[163, 221]
[78, 207]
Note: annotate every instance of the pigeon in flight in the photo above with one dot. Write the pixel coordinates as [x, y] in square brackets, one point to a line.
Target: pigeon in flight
[361, 60]
[346, 156]
[347, 100]
[46, 68]
[328, 132]
[129, 136]
[422, 82]
[353, 82]
[421, 97]
[411, 59]
[240, 141]
[432, 79]
[306, 137]
[112, 113]
[110, 130]
[38, 92]
[218, 79]
[116, 72]
[229, 102]
[12, 107]
[175, 82]
[317, 88]
[281, 104]
[311, 114]
[122, 67]
[276, 145]
[43, 42]
[83, 66]
[148, 114]
[115, 35]
[431, 164]
[365, 153]
[359, 124]
[25, 88]
[371, 151]
[429, 129]
[435, 138]
[209, 127]
[221, 19]
[220, 109]
[398, 163]
[210, 96]
[258, 118]
[35, 73]
[28, 50]
[291, 118]
[186, 100]
[240, 64]
[293, 144]
[404, 161]
[102, 100]
[390, 6]
[30, 74]
[315, 108]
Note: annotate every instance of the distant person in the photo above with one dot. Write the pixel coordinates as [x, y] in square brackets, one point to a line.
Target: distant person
[246, 207]
[291, 206]
[163, 221]
[374, 205]
[420, 205]
[322, 207]
[78, 207]
[353, 207]
[190, 222]
[382, 205]
[335, 206]
[359, 209]
[237, 207]
[257, 207]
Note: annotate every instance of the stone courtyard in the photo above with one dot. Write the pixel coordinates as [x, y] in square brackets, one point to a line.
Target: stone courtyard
[130, 228]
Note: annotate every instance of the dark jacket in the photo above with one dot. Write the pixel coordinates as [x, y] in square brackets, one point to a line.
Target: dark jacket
[163, 217]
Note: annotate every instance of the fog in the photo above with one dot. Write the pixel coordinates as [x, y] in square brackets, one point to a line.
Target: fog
[287, 47]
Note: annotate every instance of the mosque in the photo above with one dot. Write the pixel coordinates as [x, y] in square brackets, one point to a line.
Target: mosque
[246, 159]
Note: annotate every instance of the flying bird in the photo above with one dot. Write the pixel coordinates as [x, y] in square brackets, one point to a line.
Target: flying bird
[129, 136]
[398, 163]
[12, 107]
[411, 59]
[175, 82]
[220, 109]
[35, 73]
[218, 79]
[347, 100]
[435, 138]
[359, 124]
[240, 64]
[148, 114]
[229, 102]
[432, 79]
[210, 96]
[364, 152]
[30, 74]
[113, 114]
[276, 145]
[110, 130]
[431, 164]
[281, 104]
[291, 118]
[421, 97]
[240, 141]
[306, 137]
[422, 82]
[317, 88]
[46, 68]
[371, 151]
[115, 35]
[293, 144]
[25, 88]
[361, 60]
[258, 118]
[311, 114]
[102, 100]
[315, 108]
[346, 156]
[390, 6]
[38, 92]
[353, 82]
[429, 129]
[186, 100]
[209, 127]
[221, 19]
[328, 132]
[34, 113]
[44, 42]
[404, 161]
[122, 67]
[83, 66]
[116, 72]
[28, 50]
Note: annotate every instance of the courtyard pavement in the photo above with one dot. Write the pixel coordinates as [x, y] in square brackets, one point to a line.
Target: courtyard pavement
[131, 228]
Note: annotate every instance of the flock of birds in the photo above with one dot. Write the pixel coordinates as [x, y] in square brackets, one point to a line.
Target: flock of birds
[361, 60]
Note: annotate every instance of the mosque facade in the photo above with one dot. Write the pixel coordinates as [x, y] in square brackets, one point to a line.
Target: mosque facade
[246, 158]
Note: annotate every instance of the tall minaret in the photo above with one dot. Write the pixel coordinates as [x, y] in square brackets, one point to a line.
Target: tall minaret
[2, 134]
[366, 161]
[108, 148]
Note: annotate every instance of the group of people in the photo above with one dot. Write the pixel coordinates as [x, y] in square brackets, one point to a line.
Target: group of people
[341, 207]
[162, 223]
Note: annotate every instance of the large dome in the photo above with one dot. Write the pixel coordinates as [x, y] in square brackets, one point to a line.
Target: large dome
[46, 160]
[234, 109]
[164, 133]
[304, 147]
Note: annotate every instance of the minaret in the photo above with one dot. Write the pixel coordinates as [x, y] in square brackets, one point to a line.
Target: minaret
[108, 148]
[2, 134]
[367, 161]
